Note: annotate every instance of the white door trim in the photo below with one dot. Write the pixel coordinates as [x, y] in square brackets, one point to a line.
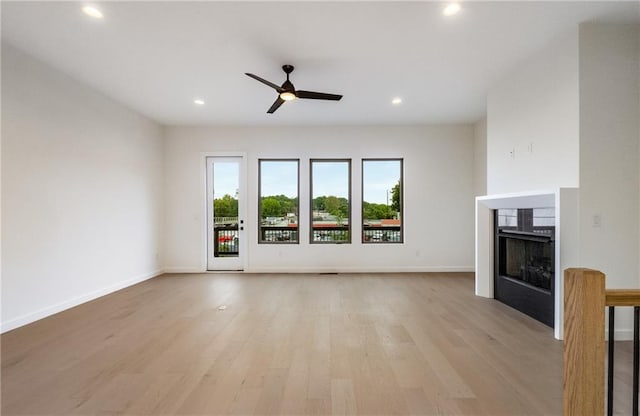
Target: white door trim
[204, 238]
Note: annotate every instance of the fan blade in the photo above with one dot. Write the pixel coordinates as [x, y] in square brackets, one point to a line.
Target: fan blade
[277, 103]
[264, 81]
[318, 95]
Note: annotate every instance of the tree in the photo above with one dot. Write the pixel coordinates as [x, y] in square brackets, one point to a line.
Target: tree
[271, 207]
[227, 206]
[332, 205]
[319, 203]
[396, 197]
[372, 211]
[279, 206]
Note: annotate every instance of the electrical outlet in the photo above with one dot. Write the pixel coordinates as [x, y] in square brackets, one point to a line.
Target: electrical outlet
[512, 153]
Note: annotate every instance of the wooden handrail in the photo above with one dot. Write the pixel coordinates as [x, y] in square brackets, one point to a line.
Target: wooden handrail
[622, 297]
[583, 381]
[585, 299]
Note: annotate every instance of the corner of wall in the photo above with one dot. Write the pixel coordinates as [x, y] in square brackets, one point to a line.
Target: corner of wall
[609, 59]
[82, 188]
[480, 157]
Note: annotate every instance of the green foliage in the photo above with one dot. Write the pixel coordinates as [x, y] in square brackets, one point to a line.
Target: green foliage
[227, 206]
[278, 206]
[332, 205]
[336, 206]
[271, 207]
[372, 211]
[319, 203]
[396, 197]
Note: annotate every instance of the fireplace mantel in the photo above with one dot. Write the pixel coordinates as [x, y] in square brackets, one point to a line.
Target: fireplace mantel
[565, 202]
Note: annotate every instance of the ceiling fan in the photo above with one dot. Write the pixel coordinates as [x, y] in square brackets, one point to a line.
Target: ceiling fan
[287, 91]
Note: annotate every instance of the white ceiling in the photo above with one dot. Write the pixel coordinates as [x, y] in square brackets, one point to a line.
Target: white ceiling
[156, 57]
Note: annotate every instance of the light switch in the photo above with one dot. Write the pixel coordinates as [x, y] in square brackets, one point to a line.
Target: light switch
[596, 221]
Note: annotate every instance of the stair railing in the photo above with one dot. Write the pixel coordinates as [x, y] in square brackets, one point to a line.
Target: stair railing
[585, 299]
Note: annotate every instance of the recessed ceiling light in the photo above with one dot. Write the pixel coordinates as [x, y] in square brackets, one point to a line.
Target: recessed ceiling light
[198, 101]
[396, 101]
[92, 11]
[451, 9]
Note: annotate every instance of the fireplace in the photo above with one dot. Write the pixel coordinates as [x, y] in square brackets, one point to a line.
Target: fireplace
[524, 261]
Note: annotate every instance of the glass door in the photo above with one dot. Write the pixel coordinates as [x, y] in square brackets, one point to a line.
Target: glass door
[225, 213]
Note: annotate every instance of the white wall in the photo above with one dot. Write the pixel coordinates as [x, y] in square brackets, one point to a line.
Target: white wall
[439, 203]
[609, 153]
[480, 157]
[82, 181]
[536, 105]
[578, 101]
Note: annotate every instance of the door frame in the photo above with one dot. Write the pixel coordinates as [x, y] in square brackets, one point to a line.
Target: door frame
[242, 208]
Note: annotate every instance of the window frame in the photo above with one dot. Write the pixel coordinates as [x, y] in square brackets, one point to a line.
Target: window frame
[260, 160]
[349, 216]
[383, 159]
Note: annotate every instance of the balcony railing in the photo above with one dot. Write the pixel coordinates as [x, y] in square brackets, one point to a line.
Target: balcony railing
[278, 234]
[331, 234]
[225, 220]
[381, 234]
[225, 240]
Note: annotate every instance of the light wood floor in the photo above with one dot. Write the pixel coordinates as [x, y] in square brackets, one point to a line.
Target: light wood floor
[288, 344]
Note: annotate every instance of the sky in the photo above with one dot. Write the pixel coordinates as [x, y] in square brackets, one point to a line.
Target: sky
[329, 178]
[225, 177]
[279, 178]
[378, 177]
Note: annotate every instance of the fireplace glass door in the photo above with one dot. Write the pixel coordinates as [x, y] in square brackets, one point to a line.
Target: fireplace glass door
[525, 261]
[529, 261]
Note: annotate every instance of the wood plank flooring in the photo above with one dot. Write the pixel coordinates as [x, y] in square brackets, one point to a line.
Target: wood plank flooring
[367, 344]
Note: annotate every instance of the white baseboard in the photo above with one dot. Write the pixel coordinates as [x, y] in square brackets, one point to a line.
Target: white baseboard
[390, 269]
[59, 307]
[183, 270]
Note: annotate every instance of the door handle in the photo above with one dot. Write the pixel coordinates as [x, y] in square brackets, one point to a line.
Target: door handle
[241, 228]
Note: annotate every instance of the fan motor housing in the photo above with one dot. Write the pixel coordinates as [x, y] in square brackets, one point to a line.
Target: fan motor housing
[287, 69]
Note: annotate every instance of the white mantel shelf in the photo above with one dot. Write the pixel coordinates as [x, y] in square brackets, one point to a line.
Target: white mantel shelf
[565, 202]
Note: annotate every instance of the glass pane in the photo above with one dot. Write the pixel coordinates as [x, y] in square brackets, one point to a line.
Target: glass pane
[544, 217]
[382, 201]
[532, 220]
[507, 217]
[226, 186]
[330, 205]
[278, 201]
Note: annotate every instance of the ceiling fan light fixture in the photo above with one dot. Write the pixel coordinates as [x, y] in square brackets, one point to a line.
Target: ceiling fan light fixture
[287, 92]
[287, 96]
[451, 9]
[92, 12]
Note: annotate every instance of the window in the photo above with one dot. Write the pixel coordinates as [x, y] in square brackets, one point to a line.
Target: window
[382, 201]
[330, 201]
[278, 202]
